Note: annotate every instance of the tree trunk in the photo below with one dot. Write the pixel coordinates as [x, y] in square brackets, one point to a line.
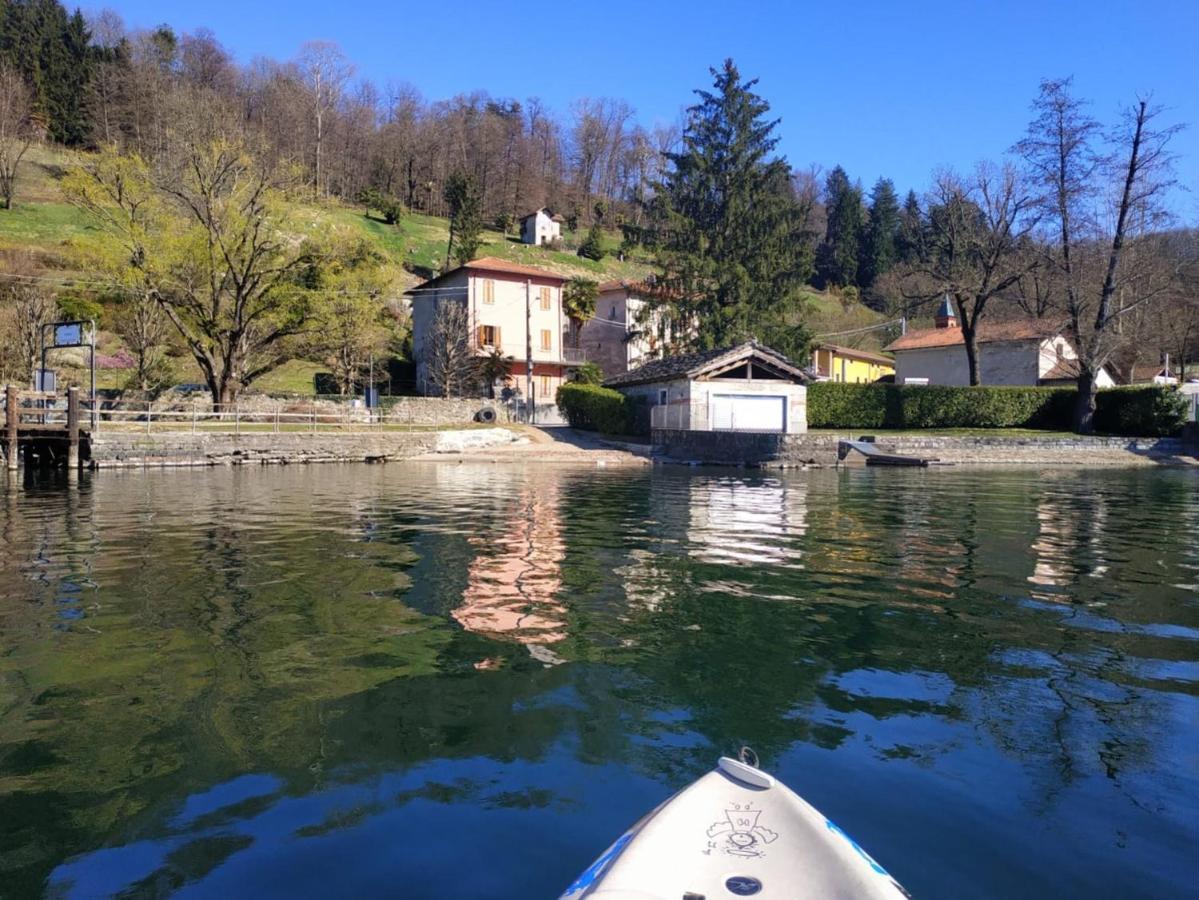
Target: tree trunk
[1084, 409]
[970, 338]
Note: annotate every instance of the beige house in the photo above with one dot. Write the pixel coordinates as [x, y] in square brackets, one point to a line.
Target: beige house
[507, 305]
[541, 227]
[1017, 352]
[749, 387]
[624, 332]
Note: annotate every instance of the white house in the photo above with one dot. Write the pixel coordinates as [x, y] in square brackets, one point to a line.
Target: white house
[1016, 352]
[625, 331]
[749, 387]
[541, 227]
[509, 307]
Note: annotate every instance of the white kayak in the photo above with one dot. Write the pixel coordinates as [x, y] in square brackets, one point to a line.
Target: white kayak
[736, 832]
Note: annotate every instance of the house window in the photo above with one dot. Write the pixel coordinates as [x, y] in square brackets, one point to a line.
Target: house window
[545, 298]
[547, 339]
[662, 397]
[489, 336]
[488, 290]
[544, 386]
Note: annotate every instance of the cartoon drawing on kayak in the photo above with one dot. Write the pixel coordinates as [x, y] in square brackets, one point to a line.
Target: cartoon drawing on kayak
[743, 836]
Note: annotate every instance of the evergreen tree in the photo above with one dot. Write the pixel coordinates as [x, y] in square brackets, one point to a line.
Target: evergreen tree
[838, 259]
[882, 234]
[592, 246]
[910, 239]
[50, 49]
[725, 227]
[466, 218]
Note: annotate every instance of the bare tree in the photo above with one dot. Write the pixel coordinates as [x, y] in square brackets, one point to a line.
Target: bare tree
[977, 229]
[325, 71]
[18, 129]
[1100, 201]
[145, 329]
[450, 363]
[26, 306]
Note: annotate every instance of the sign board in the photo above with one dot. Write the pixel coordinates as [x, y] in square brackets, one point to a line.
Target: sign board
[70, 334]
[47, 380]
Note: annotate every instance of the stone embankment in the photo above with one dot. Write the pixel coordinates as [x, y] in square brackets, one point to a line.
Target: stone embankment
[116, 449]
[820, 449]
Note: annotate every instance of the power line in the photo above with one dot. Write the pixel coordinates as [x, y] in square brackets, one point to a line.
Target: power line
[877, 327]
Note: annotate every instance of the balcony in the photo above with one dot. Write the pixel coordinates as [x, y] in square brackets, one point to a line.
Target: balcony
[574, 356]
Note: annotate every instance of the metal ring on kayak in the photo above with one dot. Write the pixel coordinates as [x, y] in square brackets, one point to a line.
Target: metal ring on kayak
[747, 756]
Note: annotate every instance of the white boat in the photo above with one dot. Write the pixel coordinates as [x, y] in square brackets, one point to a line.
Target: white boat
[736, 832]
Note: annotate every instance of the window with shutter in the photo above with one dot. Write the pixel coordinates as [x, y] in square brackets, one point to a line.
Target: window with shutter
[547, 339]
[489, 336]
[488, 290]
[545, 298]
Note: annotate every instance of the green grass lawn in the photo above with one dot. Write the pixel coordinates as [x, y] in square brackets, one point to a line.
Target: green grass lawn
[41, 225]
[296, 376]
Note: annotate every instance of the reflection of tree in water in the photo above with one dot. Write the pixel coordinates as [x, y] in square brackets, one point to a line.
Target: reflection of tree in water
[278, 641]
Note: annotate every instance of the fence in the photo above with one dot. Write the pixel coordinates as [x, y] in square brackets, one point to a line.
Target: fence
[673, 417]
[281, 417]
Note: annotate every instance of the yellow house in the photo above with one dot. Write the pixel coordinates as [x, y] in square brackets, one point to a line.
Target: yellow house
[831, 362]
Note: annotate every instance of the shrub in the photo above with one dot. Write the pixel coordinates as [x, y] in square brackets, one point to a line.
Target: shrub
[593, 247]
[1154, 411]
[595, 408]
[587, 373]
[1142, 411]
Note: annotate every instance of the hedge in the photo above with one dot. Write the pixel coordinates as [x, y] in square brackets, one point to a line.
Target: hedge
[596, 408]
[1139, 411]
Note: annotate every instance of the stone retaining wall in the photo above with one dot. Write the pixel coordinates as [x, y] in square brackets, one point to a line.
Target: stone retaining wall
[787, 450]
[116, 449]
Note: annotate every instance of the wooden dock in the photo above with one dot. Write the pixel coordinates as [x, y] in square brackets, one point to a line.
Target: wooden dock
[43, 426]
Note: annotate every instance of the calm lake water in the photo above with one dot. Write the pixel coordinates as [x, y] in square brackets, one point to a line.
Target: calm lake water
[464, 681]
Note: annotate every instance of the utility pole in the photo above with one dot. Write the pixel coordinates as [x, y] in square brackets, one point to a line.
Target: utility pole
[529, 349]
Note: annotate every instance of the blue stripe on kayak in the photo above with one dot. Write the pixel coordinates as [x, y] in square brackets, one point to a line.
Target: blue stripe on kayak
[594, 871]
[833, 826]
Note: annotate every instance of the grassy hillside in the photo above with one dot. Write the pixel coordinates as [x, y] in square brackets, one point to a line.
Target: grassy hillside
[43, 222]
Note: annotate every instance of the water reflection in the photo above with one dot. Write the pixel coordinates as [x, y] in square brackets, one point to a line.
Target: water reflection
[322, 681]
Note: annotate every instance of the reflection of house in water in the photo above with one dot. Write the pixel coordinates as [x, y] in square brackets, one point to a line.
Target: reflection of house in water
[1069, 543]
[738, 522]
[515, 577]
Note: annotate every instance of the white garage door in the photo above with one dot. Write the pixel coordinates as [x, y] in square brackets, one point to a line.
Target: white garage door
[741, 412]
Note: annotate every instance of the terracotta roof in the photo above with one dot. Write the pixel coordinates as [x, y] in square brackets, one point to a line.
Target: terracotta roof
[988, 333]
[692, 365]
[643, 287]
[495, 264]
[854, 353]
[1063, 370]
[1144, 373]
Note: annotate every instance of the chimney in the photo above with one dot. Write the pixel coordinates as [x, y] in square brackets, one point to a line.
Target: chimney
[946, 317]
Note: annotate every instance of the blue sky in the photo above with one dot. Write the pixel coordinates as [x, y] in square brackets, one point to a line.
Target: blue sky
[882, 88]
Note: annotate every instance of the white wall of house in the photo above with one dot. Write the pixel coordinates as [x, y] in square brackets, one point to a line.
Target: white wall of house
[1000, 363]
[539, 228]
[496, 311]
[690, 404]
[605, 338]
[1011, 363]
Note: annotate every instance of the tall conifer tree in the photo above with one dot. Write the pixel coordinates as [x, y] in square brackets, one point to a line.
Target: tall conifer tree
[839, 256]
[882, 233]
[726, 228]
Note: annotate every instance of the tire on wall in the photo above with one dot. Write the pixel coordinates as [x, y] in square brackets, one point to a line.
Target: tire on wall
[486, 415]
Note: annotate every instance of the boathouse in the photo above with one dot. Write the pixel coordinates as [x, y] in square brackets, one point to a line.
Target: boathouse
[749, 387]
